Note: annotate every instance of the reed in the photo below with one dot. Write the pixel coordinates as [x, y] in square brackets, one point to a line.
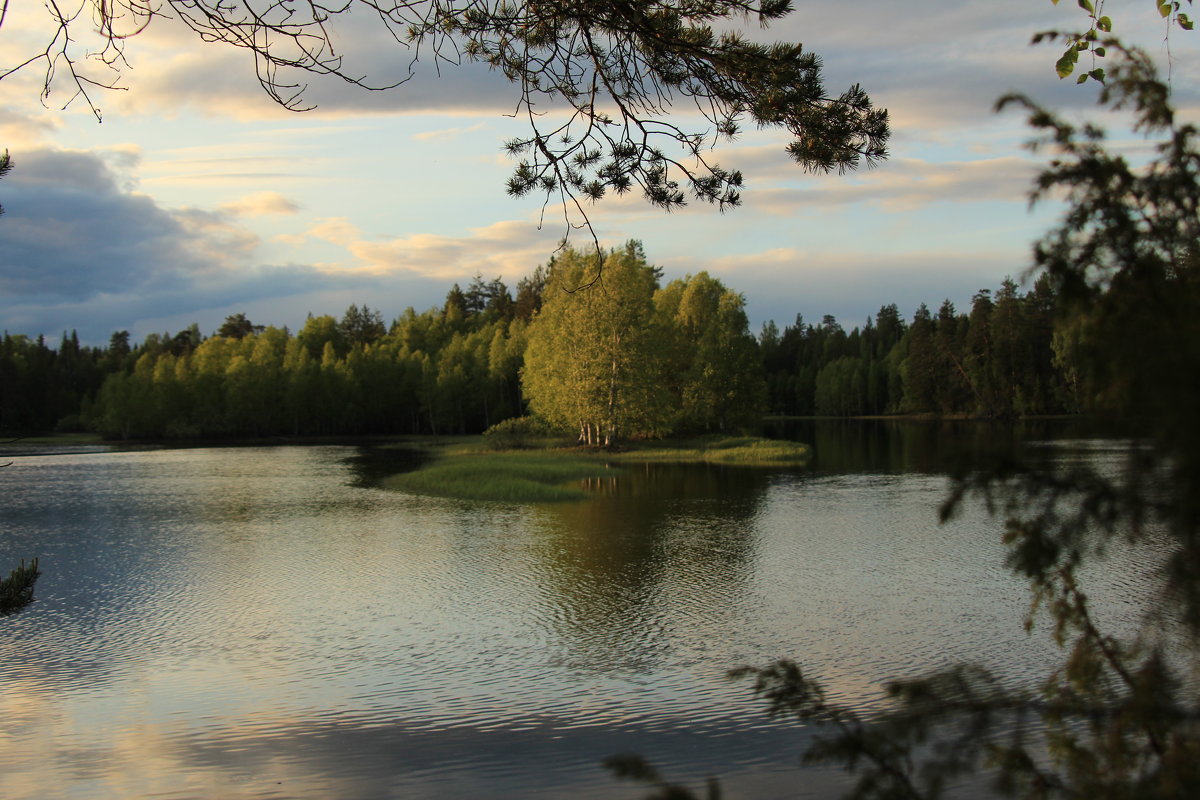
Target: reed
[16, 591]
[746, 451]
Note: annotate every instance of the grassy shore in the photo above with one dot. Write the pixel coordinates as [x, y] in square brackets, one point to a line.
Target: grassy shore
[55, 438]
[554, 473]
[746, 451]
[520, 477]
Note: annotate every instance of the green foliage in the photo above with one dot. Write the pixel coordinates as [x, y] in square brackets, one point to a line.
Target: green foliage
[1096, 40]
[361, 327]
[16, 591]
[238, 326]
[746, 451]
[41, 387]
[614, 357]
[841, 387]
[451, 370]
[517, 433]
[713, 363]
[592, 363]
[987, 363]
[505, 477]
[351, 377]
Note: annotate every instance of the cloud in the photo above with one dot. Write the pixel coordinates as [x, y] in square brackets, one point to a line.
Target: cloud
[74, 231]
[907, 184]
[170, 71]
[447, 133]
[509, 249]
[84, 251]
[260, 204]
[338, 230]
[22, 130]
[241, 162]
[344, 218]
[97, 172]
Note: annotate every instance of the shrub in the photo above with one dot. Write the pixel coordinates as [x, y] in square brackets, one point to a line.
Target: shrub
[516, 433]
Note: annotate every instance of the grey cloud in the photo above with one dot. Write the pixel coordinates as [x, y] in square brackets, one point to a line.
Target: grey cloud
[939, 65]
[71, 232]
[909, 183]
[271, 295]
[80, 251]
[63, 170]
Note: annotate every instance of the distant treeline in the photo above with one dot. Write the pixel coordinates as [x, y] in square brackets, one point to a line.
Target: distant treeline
[1010, 356]
[458, 368]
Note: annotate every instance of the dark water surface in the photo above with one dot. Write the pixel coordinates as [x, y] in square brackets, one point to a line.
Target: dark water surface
[264, 622]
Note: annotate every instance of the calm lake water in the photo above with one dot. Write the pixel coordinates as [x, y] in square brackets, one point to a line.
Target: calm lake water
[265, 622]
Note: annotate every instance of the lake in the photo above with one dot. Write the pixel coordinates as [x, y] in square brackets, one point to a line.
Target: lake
[266, 622]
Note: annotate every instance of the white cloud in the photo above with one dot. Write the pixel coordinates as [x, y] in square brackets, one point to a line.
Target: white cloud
[508, 249]
[260, 204]
[338, 230]
[907, 184]
[447, 133]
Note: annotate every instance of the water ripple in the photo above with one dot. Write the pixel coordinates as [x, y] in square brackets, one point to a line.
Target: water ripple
[258, 623]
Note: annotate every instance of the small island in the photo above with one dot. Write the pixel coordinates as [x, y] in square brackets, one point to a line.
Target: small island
[549, 469]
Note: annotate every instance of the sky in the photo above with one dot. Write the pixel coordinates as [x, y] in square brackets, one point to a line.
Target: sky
[197, 197]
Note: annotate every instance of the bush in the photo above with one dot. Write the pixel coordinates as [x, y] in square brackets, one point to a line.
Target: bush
[516, 433]
[71, 423]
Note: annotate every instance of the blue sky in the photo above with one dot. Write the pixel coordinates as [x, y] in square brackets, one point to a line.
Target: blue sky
[197, 197]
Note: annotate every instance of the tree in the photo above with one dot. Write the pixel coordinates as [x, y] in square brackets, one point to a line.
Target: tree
[592, 363]
[1120, 715]
[615, 69]
[361, 327]
[715, 363]
[237, 326]
[529, 292]
[1094, 40]
[320, 331]
[919, 365]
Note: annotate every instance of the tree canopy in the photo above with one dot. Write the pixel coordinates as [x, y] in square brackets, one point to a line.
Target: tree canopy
[592, 363]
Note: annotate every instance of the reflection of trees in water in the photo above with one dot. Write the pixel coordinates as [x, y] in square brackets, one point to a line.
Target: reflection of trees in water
[885, 446]
[369, 465]
[657, 538]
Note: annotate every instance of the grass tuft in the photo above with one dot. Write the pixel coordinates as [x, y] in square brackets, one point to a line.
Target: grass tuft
[525, 477]
[746, 451]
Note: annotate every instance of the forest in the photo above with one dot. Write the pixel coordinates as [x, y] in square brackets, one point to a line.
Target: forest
[600, 347]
